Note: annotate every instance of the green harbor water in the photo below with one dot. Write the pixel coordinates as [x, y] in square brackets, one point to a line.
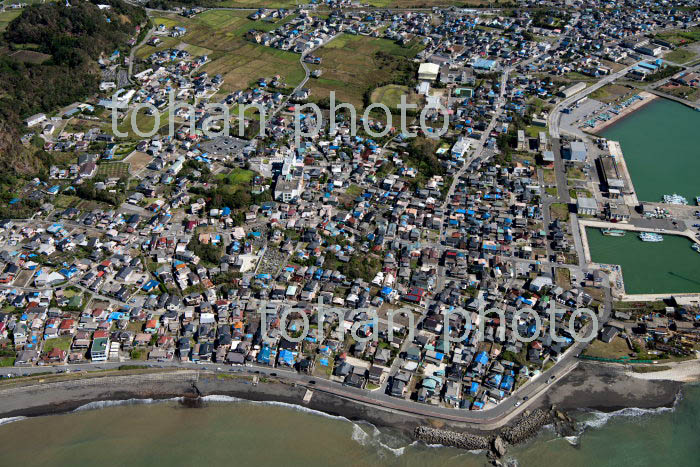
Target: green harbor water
[245, 433]
[661, 146]
[649, 268]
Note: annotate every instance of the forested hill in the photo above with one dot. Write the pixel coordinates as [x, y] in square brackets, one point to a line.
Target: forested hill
[74, 36]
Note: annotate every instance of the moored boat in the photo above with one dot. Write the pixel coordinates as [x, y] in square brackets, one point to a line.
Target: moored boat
[675, 199]
[650, 237]
[613, 232]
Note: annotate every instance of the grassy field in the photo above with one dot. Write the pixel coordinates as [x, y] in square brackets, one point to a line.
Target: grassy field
[684, 92]
[237, 176]
[113, 169]
[62, 343]
[563, 277]
[533, 131]
[346, 60]
[610, 93]
[7, 16]
[681, 36]
[144, 122]
[390, 95]
[560, 211]
[548, 176]
[617, 348]
[680, 55]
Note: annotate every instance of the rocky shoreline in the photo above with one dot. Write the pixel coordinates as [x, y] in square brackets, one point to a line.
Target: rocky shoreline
[599, 387]
[523, 429]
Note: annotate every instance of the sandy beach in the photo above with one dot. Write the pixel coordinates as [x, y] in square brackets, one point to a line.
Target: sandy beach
[607, 388]
[685, 372]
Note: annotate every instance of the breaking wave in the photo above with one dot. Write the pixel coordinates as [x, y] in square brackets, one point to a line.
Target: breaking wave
[601, 418]
[96, 405]
[363, 433]
[298, 408]
[368, 438]
[5, 421]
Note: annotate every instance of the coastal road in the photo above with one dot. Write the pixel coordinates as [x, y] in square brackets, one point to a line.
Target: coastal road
[555, 114]
[487, 419]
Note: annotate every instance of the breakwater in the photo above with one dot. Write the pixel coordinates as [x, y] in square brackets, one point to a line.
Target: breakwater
[526, 427]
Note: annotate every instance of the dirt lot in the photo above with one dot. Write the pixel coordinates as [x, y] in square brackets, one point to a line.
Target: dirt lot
[137, 161]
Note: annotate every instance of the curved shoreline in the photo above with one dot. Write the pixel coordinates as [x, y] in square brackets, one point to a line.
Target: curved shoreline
[591, 386]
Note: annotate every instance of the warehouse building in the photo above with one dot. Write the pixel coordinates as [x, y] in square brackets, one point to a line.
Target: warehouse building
[575, 152]
[428, 71]
[571, 90]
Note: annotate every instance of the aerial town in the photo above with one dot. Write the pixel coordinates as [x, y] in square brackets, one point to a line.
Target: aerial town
[165, 251]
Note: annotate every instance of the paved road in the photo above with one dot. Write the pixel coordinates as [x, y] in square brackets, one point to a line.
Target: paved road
[307, 75]
[488, 419]
[555, 114]
[135, 48]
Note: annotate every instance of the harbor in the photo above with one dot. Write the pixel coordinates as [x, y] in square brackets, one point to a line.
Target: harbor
[648, 268]
[661, 153]
[617, 111]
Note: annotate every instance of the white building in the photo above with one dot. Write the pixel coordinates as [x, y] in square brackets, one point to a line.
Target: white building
[428, 71]
[34, 120]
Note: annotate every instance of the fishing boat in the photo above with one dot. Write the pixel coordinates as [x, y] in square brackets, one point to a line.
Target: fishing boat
[614, 232]
[650, 237]
[675, 199]
[695, 247]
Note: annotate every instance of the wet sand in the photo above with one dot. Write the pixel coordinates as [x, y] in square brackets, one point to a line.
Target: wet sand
[609, 388]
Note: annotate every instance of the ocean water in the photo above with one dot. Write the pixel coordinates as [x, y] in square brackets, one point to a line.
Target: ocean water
[647, 267]
[660, 144]
[229, 431]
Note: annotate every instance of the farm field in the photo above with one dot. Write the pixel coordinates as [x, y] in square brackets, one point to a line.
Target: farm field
[113, 169]
[346, 60]
[220, 35]
[681, 36]
[138, 161]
